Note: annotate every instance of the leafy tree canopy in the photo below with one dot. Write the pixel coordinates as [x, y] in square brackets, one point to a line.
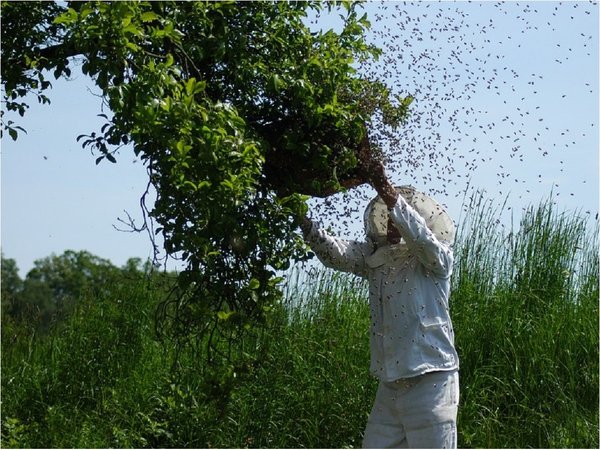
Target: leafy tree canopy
[57, 283]
[238, 110]
[10, 284]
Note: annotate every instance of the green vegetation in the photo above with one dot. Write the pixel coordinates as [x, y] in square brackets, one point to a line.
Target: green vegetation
[524, 304]
[526, 316]
[234, 108]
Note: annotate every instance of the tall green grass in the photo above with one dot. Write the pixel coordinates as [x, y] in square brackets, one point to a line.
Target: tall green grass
[525, 311]
[525, 307]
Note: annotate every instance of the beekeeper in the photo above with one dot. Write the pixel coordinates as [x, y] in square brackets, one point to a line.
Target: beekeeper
[407, 259]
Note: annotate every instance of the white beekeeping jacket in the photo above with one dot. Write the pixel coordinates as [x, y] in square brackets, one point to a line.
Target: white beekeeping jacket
[409, 283]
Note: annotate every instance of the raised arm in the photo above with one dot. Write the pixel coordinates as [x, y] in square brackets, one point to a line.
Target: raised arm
[433, 254]
[336, 253]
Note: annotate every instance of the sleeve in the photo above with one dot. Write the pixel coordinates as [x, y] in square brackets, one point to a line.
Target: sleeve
[434, 254]
[339, 254]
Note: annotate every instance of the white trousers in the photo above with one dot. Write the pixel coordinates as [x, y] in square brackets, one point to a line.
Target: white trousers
[415, 412]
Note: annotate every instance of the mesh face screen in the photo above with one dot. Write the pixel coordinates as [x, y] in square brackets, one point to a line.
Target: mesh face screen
[438, 221]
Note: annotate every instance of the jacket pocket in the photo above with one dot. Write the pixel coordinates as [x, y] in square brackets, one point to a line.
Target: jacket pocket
[437, 346]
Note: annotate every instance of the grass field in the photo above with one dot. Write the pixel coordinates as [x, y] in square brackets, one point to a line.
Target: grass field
[525, 310]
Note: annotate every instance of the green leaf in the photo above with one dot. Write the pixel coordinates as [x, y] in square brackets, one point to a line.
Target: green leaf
[149, 16]
[276, 280]
[277, 84]
[407, 100]
[190, 86]
[132, 29]
[190, 185]
[85, 12]
[132, 46]
[254, 284]
[66, 18]
[182, 148]
[223, 315]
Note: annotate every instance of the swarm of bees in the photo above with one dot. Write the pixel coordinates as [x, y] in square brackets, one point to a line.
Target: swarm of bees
[481, 98]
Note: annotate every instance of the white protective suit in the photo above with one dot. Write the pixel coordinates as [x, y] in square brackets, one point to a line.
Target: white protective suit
[411, 331]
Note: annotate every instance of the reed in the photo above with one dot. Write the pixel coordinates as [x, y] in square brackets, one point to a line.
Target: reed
[525, 310]
[525, 306]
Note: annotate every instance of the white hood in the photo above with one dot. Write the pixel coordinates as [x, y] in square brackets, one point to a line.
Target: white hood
[436, 218]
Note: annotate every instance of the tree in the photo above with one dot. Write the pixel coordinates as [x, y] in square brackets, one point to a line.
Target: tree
[56, 283]
[11, 286]
[238, 110]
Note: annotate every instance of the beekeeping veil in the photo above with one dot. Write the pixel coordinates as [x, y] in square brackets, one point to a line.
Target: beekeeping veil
[438, 221]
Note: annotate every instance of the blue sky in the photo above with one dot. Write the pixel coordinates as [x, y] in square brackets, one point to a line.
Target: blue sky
[525, 126]
[538, 70]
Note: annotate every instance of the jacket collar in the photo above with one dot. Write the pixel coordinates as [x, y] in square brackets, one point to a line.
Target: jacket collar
[388, 255]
